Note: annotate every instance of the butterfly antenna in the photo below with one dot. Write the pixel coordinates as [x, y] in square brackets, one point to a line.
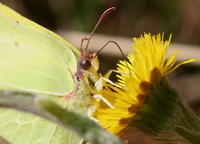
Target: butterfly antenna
[119, 50]
[88, 38]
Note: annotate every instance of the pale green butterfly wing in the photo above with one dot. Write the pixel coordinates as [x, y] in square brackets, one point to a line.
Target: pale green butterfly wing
[34, 55]
[22, 128]
[35, 59]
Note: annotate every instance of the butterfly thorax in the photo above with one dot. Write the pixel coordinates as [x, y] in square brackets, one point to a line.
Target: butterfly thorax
[85, 79]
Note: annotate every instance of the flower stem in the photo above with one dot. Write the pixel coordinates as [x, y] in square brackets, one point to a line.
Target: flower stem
[189, 128]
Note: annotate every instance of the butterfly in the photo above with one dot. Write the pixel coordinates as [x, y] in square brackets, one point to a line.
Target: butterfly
[34, 59]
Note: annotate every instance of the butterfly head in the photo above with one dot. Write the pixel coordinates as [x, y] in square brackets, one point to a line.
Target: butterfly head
[86, 59]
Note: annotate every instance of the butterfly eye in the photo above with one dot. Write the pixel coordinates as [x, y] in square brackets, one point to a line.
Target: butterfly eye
[85, 64]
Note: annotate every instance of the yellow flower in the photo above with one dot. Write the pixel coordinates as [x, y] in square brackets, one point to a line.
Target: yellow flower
[147, 63]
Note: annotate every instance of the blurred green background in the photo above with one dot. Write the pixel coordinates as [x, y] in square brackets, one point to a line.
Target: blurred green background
[131, 19]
